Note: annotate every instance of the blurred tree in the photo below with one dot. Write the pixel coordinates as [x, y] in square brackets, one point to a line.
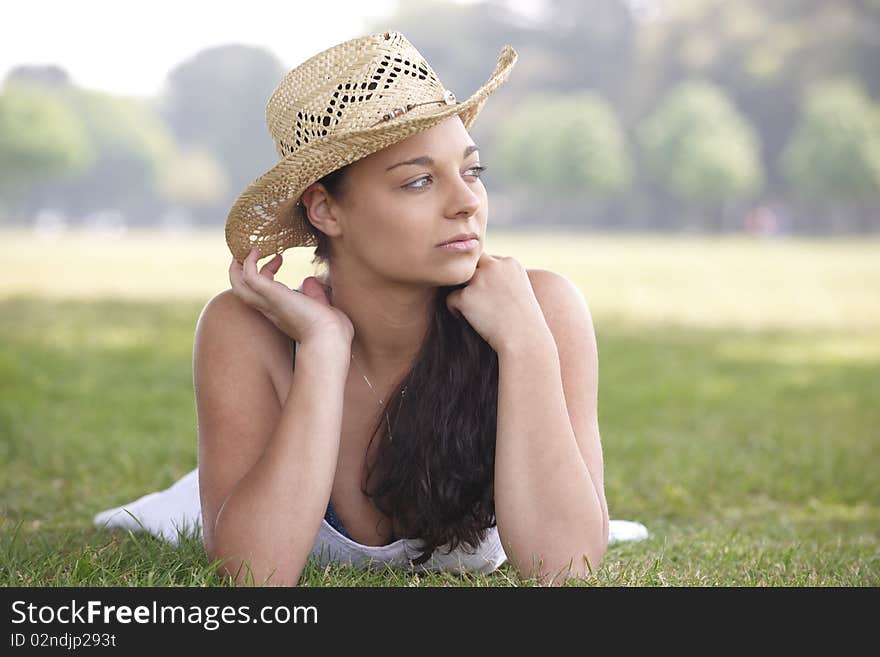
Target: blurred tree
[628, 52]
[41, 139]
[46, 75]
[763, 54]
[130, 145]
[216, 101]
[700, 148]
[570, 145]
[194, 179]
[834, 153]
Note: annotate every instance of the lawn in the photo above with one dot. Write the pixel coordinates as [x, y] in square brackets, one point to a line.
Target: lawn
[739, 404]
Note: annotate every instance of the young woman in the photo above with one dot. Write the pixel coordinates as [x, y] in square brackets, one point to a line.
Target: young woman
[420, 401]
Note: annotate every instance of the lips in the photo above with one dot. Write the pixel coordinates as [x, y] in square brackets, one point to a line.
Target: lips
[461, 237]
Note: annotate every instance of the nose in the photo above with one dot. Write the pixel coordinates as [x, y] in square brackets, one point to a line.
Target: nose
[463, 200]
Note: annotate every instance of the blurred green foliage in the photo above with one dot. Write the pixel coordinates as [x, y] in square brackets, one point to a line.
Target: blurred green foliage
[622, 113]
[40, 139]
[835, 150]
[699, 146]
[565, 144]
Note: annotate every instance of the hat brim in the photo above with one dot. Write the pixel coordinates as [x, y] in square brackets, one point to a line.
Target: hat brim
[266, 214]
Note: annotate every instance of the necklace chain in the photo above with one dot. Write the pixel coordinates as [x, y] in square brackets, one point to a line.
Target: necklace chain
[366, 379]
[382, 403]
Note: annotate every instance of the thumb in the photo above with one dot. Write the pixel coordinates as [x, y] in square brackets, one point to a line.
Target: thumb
[312, 288]
[273, 265]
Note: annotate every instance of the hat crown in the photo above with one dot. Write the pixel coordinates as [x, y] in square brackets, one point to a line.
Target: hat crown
[350, 87]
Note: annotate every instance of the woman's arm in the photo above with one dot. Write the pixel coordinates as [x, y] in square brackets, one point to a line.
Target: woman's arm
[272, 468]
[549, 498]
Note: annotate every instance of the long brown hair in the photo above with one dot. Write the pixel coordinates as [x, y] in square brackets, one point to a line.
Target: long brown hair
[436, 478]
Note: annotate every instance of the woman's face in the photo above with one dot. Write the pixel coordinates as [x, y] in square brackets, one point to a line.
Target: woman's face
[394, 215]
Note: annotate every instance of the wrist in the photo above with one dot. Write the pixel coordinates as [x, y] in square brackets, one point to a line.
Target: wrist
[526, 340]
[327, 348]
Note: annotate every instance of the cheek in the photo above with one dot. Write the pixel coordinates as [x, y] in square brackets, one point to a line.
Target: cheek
[374, 218]
[394, 237]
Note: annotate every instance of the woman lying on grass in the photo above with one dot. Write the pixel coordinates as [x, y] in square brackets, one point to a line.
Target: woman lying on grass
[420, 402]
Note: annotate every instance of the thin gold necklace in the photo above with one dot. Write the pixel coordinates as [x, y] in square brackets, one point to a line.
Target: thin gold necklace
[382, 403]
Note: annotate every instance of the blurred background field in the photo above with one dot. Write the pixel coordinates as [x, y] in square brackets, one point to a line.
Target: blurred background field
[736, 281]
[739, 403]
[707, 173]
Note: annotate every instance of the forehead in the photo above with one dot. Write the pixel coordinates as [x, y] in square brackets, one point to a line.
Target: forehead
[446, 139]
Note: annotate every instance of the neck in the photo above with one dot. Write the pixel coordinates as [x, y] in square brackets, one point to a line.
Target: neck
[390, 321]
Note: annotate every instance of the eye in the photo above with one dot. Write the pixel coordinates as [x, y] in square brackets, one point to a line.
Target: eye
[479, 171]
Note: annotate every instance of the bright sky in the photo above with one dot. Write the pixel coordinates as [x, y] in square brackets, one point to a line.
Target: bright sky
[129, 47]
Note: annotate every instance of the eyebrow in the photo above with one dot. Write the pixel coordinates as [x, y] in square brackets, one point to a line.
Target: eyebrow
[427, 161]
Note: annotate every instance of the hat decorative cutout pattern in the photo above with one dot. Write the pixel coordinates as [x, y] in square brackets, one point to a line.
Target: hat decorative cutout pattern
[339, 106]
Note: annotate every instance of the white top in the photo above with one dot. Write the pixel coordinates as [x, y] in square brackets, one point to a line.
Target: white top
[178, 508]
[331, 544]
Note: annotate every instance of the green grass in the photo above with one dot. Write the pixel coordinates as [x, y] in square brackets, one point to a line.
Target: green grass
[739, 412]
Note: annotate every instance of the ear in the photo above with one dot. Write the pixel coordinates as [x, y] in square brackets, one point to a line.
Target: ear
[319, 210]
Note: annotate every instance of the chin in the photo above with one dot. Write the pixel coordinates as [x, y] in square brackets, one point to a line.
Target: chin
[467, 273]
[458, 268]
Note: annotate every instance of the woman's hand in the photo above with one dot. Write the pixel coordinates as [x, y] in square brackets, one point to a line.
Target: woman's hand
[301, 315]
[498, 301]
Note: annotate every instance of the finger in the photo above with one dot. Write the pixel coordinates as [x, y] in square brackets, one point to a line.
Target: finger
[236, 275]
[312, 288]
[249, 266]
[243, 291]
[271, 268]
[236, 270]
[236, 263]
[250, 282]
[246, 281]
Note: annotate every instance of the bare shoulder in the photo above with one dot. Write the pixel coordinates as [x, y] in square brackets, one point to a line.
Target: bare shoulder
[227, 326]
[557, 295]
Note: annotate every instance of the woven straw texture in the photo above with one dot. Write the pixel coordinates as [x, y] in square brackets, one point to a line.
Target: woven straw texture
[337, 107]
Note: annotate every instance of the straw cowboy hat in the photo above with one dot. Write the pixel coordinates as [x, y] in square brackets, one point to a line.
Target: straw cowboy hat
[339, 106]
